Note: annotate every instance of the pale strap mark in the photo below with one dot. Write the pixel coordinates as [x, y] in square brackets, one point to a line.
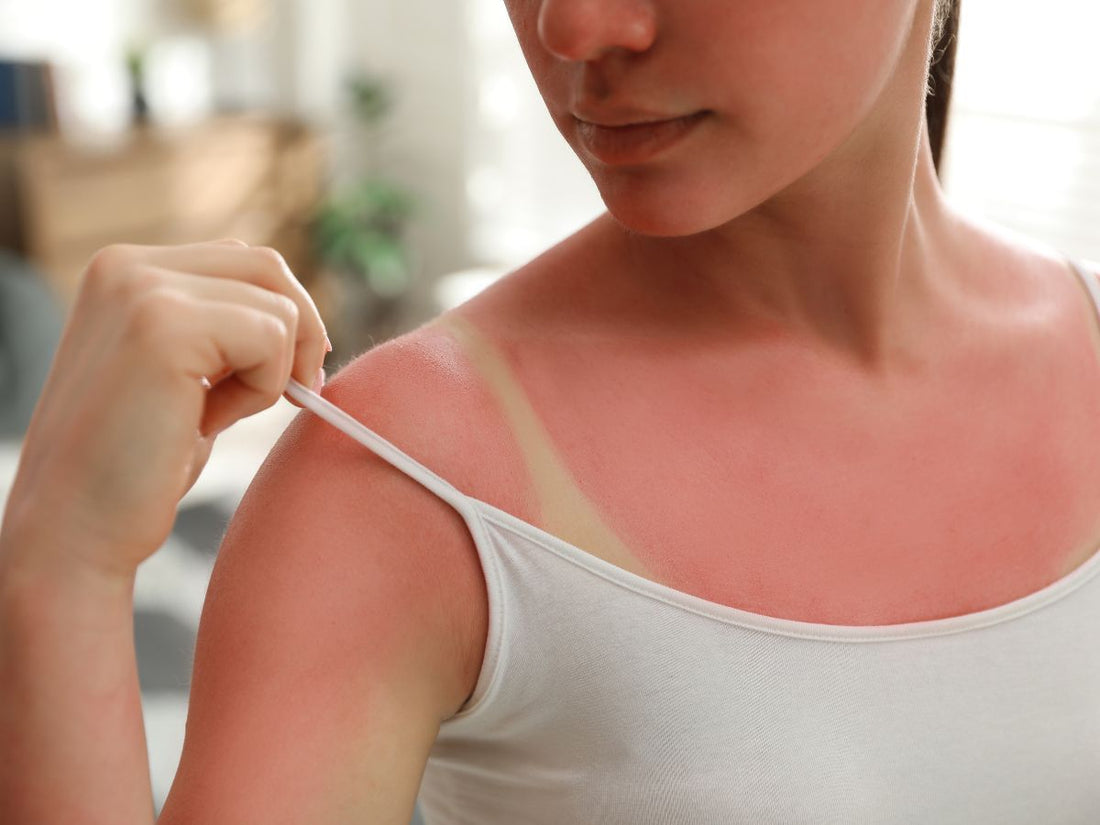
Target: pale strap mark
[564, 510]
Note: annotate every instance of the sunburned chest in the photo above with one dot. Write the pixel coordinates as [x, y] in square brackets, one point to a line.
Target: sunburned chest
[789, 492]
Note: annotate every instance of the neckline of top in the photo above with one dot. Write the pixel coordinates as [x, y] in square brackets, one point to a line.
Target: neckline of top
[764, 623]
[788, 627]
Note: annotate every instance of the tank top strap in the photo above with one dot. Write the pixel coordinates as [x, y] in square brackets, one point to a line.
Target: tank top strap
[385, 450]
[1089, 278]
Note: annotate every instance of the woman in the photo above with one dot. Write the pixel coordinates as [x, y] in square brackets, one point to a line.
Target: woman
[767, 497]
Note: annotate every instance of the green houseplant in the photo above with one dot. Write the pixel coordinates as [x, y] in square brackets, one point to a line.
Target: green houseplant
[135, 71]
[358, 229]
[361, 231]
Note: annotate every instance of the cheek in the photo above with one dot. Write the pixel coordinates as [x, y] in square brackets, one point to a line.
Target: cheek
[789, 83]
[812, 64]
[549, 74]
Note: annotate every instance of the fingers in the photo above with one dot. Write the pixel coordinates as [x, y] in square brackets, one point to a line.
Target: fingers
[243, 337]
[261, 266]
[247, 295]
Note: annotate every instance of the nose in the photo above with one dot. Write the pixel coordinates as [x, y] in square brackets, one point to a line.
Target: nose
[585, 30]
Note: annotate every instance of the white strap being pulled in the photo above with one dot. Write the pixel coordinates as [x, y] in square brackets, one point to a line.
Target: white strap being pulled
[379, 446]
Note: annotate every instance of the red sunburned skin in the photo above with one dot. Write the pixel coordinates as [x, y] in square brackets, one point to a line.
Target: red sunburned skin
[775, 478]
[636, 143]
[817, 512]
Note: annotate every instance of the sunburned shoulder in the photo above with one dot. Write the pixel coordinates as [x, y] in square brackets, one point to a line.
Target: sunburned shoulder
[354, 518]
[347, 614]
[421, 392]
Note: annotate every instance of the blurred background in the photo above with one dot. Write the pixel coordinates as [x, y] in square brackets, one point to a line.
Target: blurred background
[398, 155]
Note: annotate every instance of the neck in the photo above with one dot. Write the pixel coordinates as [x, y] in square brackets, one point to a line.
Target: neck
[852, 258]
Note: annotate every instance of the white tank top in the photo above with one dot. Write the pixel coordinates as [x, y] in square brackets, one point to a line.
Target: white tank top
[605, 697]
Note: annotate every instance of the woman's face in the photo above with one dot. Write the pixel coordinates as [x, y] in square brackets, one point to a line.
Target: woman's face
[743, 97]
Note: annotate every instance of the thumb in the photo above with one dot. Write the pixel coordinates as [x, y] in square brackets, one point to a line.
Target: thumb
[199, 457]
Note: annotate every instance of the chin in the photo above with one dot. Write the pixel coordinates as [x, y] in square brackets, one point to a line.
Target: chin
[661, 213]
[660, 225]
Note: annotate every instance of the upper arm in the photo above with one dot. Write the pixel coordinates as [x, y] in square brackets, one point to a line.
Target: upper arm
[340, 626]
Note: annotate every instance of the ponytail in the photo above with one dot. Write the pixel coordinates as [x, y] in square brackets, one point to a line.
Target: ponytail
[941, 73]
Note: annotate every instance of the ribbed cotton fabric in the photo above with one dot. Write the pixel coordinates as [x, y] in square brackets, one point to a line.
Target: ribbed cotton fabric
[605, 697]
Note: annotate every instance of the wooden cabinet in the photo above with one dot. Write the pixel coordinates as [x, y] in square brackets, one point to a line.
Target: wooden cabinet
[252, 177]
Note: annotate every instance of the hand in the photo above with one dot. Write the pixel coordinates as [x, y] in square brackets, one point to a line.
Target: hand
[126, 422]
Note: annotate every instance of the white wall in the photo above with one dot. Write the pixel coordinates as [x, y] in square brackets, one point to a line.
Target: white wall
[423, 47]
[309, 52]
[527, 188]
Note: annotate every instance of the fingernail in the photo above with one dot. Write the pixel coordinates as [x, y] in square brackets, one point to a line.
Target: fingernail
[319, 383]
[328, 344]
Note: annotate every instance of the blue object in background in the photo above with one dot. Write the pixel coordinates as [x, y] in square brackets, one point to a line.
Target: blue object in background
[31, 322]
[26, 97]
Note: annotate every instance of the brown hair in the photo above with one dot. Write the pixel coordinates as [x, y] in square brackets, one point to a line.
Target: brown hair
[941, 72]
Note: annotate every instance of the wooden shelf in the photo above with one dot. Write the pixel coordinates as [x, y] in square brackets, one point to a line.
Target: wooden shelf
[253, 177]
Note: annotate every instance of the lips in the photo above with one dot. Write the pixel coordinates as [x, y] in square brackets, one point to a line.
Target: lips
[626, 139]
